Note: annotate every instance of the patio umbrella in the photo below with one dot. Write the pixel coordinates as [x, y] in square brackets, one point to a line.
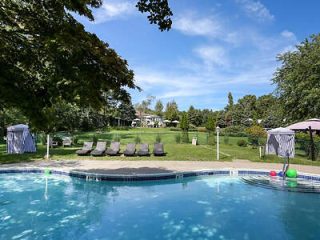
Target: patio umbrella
[308, 125]
[313, 123]
[166, 121]
[175, 121]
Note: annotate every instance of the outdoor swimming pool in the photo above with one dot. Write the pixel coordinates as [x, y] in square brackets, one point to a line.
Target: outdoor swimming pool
[33, 207]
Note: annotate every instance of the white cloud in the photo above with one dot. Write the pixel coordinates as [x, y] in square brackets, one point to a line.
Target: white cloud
[288, 34]
[256, 9]
[190, 24]
[112, 10]
[212, 55]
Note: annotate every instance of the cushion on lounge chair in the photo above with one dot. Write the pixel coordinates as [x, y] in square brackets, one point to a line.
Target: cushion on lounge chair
[86, 149]
[100, 149]
[130, 150]
[158, 149]
[144, 150]
[114, 149]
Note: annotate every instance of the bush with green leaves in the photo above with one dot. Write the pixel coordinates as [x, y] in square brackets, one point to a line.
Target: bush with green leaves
[242, 143]
[256, 135]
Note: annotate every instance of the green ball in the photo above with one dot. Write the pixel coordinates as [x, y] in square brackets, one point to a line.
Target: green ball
[292, 173]
[47, 172]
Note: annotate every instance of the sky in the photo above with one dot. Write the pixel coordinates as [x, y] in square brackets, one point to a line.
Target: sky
[214, 46]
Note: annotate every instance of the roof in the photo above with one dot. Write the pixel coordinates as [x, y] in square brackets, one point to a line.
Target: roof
[280, 130]
[18, 127]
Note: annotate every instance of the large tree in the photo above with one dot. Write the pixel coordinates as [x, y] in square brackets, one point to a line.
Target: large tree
[46, 56]
[172, 112]
[298, 80]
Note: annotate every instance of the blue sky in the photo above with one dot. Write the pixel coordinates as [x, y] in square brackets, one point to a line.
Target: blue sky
[214, 46]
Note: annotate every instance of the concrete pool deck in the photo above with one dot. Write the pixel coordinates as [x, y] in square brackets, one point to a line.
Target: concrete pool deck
[151, 167]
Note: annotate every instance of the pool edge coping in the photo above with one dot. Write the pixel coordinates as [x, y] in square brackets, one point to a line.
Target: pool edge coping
[152, 176]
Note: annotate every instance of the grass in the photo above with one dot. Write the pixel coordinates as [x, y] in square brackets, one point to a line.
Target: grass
[229, 150]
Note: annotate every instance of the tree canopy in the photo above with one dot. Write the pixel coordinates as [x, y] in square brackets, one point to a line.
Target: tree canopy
[46, 56]
[298, 80]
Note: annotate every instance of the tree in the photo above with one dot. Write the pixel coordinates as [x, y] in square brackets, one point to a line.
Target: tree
[230, 102]
[46, 56]
[184, 123]
[211, 124]
[298, 80]
[244, 112]
[172, 112]
[194, 116]
[158, 109]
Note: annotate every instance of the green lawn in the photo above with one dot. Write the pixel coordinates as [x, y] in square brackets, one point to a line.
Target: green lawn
[175, 151]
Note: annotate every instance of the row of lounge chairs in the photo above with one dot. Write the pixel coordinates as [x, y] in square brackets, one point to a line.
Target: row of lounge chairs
[114, 149]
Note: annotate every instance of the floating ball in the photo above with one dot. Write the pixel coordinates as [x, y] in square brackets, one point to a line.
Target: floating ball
[47, 171]
[280, 174]
[292, 173]
[273, 173]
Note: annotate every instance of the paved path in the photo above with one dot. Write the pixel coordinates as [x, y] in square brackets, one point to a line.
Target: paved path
[148, 167]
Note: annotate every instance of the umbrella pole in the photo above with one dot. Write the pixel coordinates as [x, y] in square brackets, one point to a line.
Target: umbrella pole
[313, 157]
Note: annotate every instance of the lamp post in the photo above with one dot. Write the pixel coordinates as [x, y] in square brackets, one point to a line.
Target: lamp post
[218, 131]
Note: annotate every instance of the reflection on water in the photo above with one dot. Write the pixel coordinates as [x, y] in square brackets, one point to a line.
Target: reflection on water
[56, 207]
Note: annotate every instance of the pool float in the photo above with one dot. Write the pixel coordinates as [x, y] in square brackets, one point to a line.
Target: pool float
[47, 171]
[273, 173]
[292, 173]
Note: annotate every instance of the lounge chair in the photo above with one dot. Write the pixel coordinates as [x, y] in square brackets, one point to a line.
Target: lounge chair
[114, 149]
[144, 150]
[86, 149]
[130, 150]
[158, 149]
[100, 149]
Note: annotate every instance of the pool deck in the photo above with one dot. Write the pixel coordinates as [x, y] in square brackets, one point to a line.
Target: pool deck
[121, 167]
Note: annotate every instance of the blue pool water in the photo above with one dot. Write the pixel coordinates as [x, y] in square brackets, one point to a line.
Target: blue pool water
[32, 207]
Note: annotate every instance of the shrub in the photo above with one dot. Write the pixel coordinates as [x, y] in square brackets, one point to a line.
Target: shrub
[242, 143]
[178, 138]
[257, 135]
[202, 129]
[158, 138]
[137, 139]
